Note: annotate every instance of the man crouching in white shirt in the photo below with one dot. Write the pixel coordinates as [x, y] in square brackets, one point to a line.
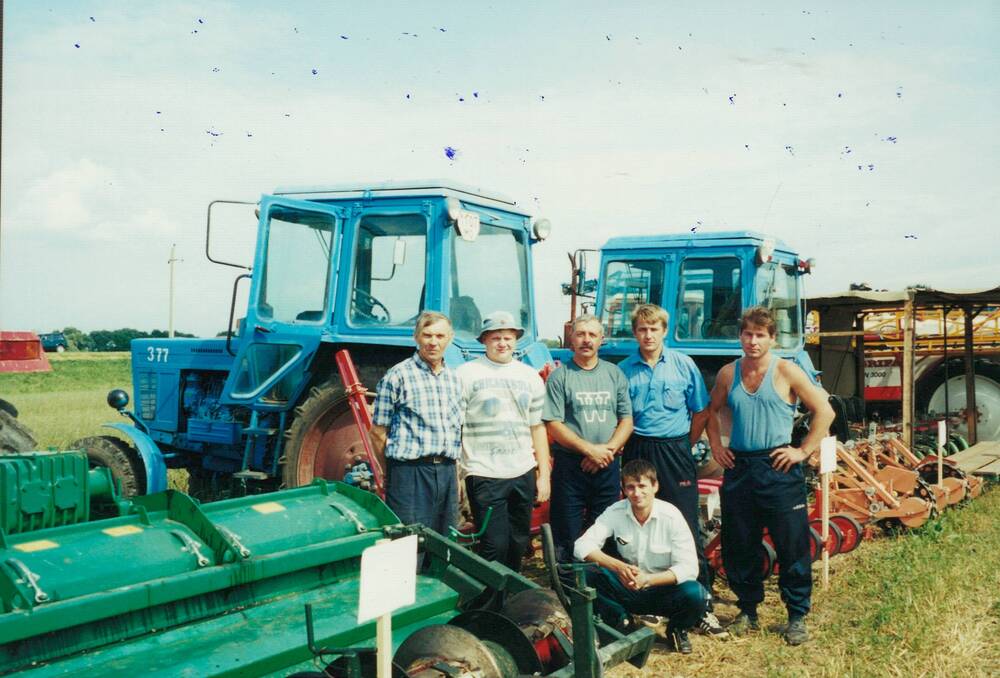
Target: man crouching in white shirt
[658, 571]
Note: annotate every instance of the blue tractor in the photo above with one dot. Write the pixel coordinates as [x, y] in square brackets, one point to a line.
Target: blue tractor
[335, 267]
[704, 281]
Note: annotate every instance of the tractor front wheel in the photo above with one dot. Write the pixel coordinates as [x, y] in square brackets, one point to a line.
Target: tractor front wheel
[323, 440]
[120, 457]
[15, 437]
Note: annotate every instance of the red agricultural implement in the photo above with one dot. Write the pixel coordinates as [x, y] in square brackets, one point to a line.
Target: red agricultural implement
[22, 352]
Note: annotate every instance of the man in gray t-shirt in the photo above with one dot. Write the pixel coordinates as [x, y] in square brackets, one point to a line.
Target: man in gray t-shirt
[588, 414]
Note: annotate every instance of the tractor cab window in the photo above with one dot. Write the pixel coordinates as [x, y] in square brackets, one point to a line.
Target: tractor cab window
[475, 293]
[388, 284]
[297, 265]
[777, 288]
[628, 284]
[709, 299]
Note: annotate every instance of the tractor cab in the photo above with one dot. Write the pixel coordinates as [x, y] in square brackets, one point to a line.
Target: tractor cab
[705, 282]
[350, 265]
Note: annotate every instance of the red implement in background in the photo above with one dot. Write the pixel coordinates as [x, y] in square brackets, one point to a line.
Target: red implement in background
[359, 408]
[22, 352]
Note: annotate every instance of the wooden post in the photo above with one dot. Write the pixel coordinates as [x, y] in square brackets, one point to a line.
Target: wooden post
[971, 413]
[826, 529]
[906, 376]
[383, 644]
[859, 356]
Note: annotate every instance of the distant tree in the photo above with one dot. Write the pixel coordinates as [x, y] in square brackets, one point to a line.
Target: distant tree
[77, 340]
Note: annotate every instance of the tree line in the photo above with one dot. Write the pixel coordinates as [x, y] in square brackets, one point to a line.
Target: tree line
[110, 340]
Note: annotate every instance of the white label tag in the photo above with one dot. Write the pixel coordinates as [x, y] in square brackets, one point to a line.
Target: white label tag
[388, 578]
[828, 455]
[942, 434]
[468, 225]
[712, 503]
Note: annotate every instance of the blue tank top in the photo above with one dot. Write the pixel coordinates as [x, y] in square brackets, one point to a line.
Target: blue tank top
[761, 420]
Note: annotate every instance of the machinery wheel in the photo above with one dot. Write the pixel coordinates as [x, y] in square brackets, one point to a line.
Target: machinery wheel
[836, 540]
[15, 437]
[120, 457]
[851, 531]
[987, 382]
[323, 440]
[60, 349]
[768, 564]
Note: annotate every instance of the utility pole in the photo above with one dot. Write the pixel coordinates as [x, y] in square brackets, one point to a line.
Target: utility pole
[171, 261]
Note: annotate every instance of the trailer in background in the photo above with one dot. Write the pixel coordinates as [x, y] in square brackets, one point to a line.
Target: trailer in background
[914, 355]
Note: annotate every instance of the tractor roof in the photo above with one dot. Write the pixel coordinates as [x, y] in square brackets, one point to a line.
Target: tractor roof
[426, 187]
[679, 240]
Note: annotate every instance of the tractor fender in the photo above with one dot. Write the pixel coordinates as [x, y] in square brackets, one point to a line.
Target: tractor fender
[152, 458]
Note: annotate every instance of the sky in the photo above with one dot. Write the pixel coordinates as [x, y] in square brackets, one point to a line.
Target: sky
[862, 134]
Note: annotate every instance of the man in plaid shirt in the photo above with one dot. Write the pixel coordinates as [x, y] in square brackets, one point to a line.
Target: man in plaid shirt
[417, 423]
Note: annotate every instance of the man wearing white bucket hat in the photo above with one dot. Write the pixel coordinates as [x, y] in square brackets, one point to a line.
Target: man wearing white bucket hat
[503, 441]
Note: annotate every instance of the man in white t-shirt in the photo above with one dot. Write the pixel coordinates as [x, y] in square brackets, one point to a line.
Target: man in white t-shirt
[503, 441]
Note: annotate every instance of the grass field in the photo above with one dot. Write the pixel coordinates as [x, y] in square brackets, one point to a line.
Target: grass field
[925, 603]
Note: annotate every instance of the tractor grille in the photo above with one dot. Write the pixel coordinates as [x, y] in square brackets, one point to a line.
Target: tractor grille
[146, 395]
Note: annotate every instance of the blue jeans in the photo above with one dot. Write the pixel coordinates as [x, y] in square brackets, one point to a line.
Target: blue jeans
[423, 492]
[578, 498]
[683, 604]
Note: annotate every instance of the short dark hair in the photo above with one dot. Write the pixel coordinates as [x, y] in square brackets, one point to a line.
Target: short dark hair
[637, 469]
[759, 316]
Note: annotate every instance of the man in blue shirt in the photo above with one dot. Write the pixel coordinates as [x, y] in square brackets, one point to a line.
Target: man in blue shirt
[417, 423]
[669, 410]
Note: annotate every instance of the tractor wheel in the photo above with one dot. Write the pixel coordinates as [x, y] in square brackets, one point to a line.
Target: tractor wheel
[323, 440]
[15, 437]
[987, 382]
[120, 457]
[8, 408]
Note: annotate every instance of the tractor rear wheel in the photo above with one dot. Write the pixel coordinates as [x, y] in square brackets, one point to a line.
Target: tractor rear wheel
[120, 457]
[323, 440]
[15, 437]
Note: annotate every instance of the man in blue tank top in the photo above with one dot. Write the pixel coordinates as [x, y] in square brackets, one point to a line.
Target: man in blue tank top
[763, 484]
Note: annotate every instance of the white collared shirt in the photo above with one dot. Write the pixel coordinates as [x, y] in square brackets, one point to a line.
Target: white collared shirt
[663, 543]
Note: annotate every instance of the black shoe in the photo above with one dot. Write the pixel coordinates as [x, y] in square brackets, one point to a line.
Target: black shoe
[795, 632]
[743, 624]
[678, 641]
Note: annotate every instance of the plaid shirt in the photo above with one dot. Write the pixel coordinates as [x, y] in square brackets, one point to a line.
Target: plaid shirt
[421, 410]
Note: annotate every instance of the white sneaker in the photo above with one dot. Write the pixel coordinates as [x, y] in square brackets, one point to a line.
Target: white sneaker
[710, 626]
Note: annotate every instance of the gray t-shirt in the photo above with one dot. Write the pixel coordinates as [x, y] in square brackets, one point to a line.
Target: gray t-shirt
[589, 402]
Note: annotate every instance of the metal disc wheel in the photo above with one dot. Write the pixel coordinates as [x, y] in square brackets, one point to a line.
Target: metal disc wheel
[323, 440]
[120, 457]
[425, 651]
[851, 531]
[987, 382]
[15, 437]
[836, 541]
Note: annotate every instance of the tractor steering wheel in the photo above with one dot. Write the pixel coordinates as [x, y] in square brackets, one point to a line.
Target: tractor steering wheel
[367, 306]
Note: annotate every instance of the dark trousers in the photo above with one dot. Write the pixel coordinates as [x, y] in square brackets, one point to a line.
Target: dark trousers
[754, 496]
[509, 529]
[677, 474]
[578, 498]
[683, 604]
[423, 492]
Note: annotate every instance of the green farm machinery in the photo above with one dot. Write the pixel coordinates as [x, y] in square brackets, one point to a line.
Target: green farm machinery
[161, 584]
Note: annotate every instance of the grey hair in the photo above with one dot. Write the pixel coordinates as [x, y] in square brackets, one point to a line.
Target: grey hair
[587, 318]
[429, 318]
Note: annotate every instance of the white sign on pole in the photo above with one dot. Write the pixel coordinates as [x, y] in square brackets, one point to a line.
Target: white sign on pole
[388, 577]
[942, 434]
[712, 503]
[828, 455]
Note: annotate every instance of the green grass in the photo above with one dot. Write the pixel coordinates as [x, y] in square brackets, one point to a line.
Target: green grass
[69, 402]
[922, 603]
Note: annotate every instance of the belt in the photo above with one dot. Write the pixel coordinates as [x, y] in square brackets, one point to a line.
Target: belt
[430, 459]
[748, 454]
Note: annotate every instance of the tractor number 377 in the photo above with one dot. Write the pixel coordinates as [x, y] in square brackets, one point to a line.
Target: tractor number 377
[157, 355]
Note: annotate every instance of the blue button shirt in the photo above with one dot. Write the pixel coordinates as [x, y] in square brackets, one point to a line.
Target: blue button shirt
[666, 395]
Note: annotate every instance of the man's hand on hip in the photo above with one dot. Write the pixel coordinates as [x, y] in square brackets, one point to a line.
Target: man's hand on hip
[784, 458]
